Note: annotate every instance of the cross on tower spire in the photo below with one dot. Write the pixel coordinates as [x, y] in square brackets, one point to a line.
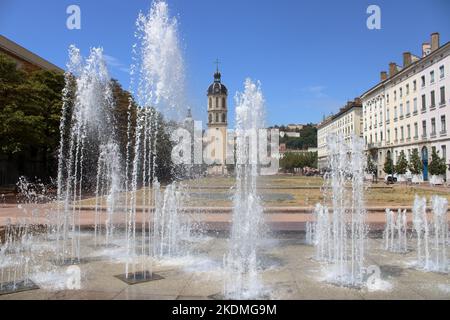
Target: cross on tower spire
[217, 62]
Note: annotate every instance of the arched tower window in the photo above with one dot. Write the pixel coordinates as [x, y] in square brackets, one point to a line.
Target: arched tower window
[217, 117]
[210, 118]
[223, 118]
[217, 103]
[210, 103]
[223, 103]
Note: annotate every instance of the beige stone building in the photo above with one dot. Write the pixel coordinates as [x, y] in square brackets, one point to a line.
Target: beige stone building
[348, 122]
[409, 108]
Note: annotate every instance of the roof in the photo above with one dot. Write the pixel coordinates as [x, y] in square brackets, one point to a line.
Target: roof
[217, 87]
[26, 55]
[350, 105]
[408, 68]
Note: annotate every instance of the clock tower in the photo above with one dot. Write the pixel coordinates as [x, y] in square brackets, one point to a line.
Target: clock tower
[217, 123]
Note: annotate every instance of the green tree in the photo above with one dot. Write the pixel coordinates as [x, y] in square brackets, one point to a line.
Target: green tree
[402, 163]
[30, 109]
[293, 160]
[388, 166]
[437, 165]
[371, 167]
[415, 164]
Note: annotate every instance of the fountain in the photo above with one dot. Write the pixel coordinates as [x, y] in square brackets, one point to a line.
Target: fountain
[241, 262]
[157, 81]
[432, 236]
[340, 240]
[87, 133]
[395, 232]
[322, 234]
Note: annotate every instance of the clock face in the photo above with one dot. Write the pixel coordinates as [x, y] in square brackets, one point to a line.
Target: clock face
[217, 90]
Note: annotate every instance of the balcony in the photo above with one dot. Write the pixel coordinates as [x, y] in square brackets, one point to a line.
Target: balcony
[416, 137]
[401, 117]
[441, 104]
[433, 135]
[408, 115]
[415, 113]
[443, 133]
[374, 145]
[432, 107]
[424, 137]
[388, 121]
[423, 110]
[395, 119]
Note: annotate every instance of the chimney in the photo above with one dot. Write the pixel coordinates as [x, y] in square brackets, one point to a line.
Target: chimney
[407, 59]
[383, 75]
[392, 69]
[434, 41]
[426, 48]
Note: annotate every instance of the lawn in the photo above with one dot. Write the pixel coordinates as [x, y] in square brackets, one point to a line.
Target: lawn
[294, 191]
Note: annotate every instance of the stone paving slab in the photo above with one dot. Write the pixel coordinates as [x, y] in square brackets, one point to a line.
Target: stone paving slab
[288, 271]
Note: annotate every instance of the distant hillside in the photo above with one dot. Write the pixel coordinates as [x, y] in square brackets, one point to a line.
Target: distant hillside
[308, 137]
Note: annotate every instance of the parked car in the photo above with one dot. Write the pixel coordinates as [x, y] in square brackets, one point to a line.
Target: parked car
[390, 179]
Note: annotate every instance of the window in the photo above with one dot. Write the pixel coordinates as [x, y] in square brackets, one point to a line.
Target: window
[223, 118]
[210, 118]
[444, 152]
[408, 131]
[396, 134]
[395, 95]
[388, 135]
[441, 71]
[431, 76]
[395, 113]
[433, 126]
[407, 89]
[424, 129]
[387, 114]
[387, 98]
[407, 108]
[443, 124]
[402, 136]
[415, 105]
[422, 78]
[416, 130]
[401, 92]
[224, 105]
[442, 94]
[210, 103]
[381, 135]
[401, 109]
[433, 100]
[414, 85]
[424, 103]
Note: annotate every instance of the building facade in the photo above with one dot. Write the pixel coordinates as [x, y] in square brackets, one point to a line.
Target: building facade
[348, 122]
[409, 108]
[217, 125]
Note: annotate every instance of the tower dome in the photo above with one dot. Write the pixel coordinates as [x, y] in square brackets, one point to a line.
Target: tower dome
[217, 87]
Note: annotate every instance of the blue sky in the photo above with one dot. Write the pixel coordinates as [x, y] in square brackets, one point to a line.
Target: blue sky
[310, 56]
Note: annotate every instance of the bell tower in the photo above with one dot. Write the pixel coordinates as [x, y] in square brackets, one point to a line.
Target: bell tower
[218, 121]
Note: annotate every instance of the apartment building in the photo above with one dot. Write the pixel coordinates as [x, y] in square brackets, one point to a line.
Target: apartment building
[347, 122]
[409, 108]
